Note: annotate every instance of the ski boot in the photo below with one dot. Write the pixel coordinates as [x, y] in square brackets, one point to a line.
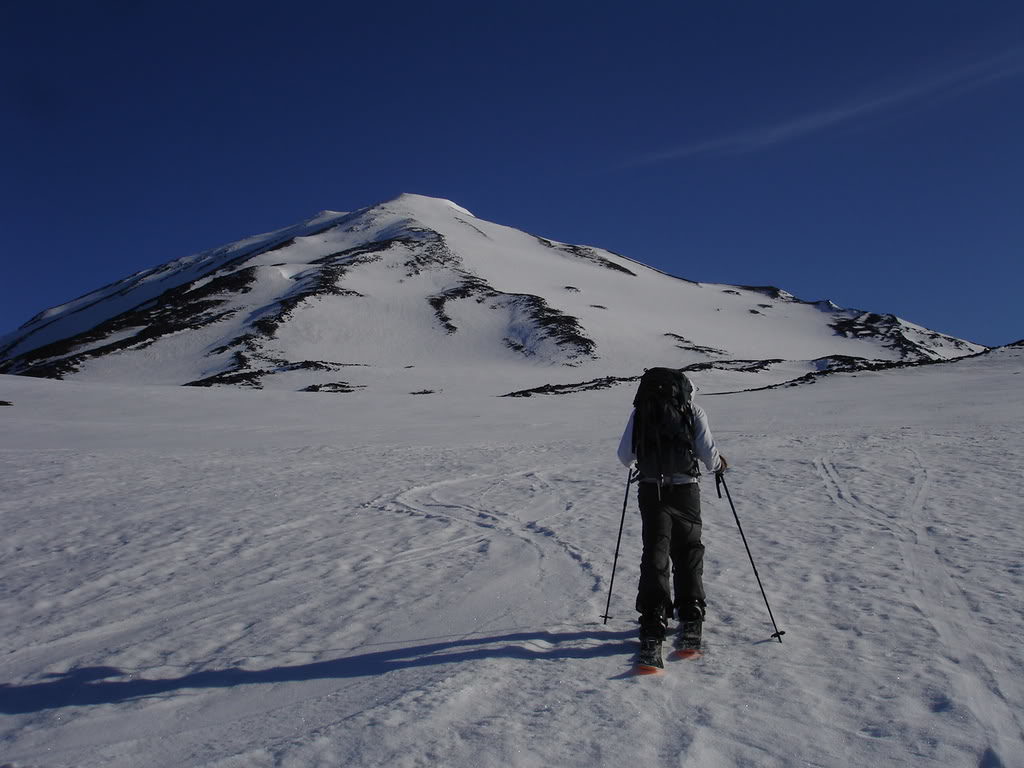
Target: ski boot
[688, 635]
[652, 634]
[649, 661]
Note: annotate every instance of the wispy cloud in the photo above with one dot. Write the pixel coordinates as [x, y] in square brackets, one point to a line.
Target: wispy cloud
[942, 86]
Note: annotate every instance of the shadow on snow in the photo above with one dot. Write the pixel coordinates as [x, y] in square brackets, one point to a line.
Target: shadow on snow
[85, 686]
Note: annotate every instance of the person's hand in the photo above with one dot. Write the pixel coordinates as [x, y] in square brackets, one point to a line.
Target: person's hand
[722, 465]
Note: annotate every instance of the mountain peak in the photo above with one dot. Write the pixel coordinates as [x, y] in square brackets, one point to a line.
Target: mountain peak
[415, 202]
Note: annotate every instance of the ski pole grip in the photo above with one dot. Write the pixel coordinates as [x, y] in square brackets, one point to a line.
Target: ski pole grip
[718, 483]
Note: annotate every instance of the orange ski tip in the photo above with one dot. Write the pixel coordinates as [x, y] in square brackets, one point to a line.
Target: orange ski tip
[644, 669]
[688, 653]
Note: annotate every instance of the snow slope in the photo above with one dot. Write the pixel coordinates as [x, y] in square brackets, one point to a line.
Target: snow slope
[417, 294]
[209, 577]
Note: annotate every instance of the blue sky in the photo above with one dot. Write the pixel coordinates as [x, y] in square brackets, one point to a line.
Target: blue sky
[868, 152]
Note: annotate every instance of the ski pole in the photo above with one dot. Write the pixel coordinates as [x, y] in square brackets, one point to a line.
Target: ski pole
[719, 484]
[615, 562]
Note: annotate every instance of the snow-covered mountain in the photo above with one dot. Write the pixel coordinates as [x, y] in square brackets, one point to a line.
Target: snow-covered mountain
[418, 295]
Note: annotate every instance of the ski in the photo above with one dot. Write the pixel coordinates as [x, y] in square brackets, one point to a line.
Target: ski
[641, 670]
[682, 654]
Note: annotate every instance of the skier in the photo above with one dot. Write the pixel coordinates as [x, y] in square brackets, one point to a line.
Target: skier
[669, 432]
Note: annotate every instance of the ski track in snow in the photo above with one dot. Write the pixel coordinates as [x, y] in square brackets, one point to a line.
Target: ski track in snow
[270, 604]
[965, 681]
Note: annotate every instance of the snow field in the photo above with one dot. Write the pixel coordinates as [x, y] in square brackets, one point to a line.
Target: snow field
[222, 578]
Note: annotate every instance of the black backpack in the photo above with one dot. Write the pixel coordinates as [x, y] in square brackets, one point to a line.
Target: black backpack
[663, 425]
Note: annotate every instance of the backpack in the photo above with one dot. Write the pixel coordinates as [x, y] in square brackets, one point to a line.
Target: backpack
[663, 425]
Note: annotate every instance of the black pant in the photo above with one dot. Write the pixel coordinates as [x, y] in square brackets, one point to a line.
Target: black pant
[671, 533]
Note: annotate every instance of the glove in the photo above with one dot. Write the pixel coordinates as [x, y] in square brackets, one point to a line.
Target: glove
[723, 465]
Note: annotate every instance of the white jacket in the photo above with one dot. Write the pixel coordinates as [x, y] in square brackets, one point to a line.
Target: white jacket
[703, 446]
